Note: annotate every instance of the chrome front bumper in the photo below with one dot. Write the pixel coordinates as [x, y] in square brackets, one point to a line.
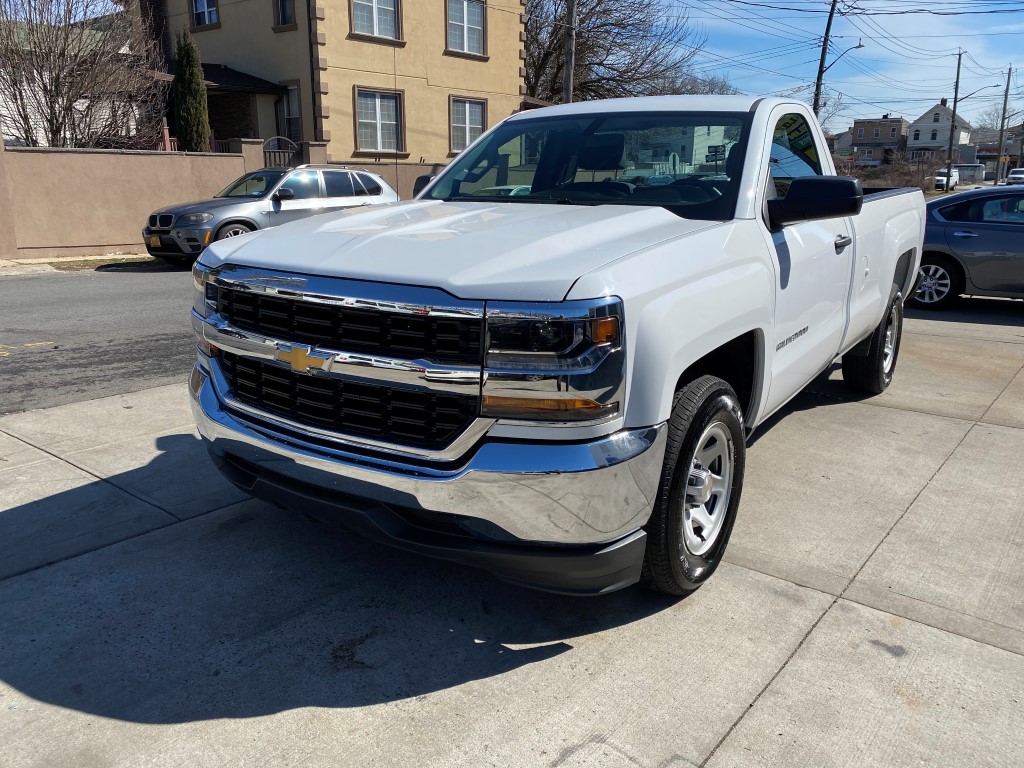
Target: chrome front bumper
[539, 493]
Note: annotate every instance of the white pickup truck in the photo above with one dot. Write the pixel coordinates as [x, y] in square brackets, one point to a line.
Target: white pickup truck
[555, 385]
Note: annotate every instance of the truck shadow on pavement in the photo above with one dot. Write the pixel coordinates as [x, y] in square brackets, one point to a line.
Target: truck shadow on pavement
[250, 610]
[975, 311]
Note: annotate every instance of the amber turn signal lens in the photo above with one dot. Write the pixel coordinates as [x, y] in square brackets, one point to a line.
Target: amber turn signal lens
[546, 409]
[605, 330]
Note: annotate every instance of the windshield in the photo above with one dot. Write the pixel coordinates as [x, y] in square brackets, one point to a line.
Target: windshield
[688, 163]
[252, 184]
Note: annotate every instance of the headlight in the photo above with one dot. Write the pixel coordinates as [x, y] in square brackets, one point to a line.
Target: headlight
[561, 362]
[559, 338]
[204, 300]
[191, 219]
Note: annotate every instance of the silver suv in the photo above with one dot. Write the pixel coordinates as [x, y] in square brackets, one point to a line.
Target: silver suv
[258, 200]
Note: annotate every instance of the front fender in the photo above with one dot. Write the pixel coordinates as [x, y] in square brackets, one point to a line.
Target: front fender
[683, 299]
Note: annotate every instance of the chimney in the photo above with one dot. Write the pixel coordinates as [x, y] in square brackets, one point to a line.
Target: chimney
[942, 102]
[885, 117]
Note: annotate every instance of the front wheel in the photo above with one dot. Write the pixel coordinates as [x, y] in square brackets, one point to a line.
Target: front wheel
[872, 373]
[232, 230]
[699, 492]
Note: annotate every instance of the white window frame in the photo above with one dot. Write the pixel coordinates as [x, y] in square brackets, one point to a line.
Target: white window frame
[467, 125]
[892, 132]
[466, 26]
[877, 133]
[860, 133]
[204, 13]
[375, 9]
[360, 93]
[287, 118]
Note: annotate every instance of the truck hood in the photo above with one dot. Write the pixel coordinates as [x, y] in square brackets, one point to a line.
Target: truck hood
[473, 250]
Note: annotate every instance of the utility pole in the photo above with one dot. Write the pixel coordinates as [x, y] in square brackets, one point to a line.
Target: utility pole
[952, 125]
[1002, 128]
[821, 62]
[570, 52]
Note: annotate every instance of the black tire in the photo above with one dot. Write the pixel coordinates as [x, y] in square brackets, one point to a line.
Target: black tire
[670, 565]
[233, 229]
[872, 373]
[947, 282]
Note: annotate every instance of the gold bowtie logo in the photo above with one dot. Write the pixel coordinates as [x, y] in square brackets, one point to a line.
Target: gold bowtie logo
[300, 358]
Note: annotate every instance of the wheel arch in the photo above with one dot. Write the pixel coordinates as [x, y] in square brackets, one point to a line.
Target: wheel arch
[237, 220]
[739, 362]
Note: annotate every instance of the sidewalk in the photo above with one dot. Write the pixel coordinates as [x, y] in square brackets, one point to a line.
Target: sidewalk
[51, 263]
[871, 612]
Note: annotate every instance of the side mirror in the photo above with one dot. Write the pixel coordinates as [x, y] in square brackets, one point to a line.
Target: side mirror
[421, 184]
[284, 193]
[816, 197]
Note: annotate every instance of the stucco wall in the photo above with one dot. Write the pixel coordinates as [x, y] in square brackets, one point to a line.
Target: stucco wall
[64, 202]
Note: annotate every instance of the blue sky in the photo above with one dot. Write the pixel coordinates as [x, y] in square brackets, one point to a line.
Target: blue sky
[907, 64]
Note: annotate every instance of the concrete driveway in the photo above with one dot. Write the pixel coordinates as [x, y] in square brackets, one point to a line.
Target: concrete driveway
[871, 612]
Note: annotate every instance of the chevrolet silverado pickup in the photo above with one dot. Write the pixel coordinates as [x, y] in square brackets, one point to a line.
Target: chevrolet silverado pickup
[556, 385]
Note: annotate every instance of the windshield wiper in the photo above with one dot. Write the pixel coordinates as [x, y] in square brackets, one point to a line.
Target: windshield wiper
[515, 199]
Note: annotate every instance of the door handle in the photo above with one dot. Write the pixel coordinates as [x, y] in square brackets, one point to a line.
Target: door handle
[842, 241]
[965, 233]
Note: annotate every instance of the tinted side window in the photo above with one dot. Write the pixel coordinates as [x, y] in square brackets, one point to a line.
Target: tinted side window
[793, 153]
[371, 186]
[958, 212]
[1003, 210]
[305, 184]
[338, 184]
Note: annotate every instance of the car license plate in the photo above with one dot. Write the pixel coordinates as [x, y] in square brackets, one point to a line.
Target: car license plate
[154, 241]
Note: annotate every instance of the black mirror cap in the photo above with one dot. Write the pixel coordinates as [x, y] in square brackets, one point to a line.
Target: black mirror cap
[421, 184]
[284, 193]
[816, 197]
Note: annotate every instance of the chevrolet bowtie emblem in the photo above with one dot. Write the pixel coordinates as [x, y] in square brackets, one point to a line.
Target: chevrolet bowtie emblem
[301, 359]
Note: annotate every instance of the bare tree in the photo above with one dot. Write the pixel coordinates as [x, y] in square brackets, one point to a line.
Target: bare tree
[991, 116]
[831, 106]
[78, 73]
[623, 48]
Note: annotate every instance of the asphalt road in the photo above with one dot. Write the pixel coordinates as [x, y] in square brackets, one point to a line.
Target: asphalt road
[72, 336]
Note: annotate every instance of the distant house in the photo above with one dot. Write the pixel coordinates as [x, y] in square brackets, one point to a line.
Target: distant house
[929, 135]
[879, 140]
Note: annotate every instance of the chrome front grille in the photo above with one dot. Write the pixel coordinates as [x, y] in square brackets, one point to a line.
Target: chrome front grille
[422, 419]
[449, 340]
[378, 365]
[162, 221]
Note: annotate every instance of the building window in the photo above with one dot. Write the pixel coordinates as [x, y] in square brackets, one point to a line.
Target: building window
[860, 133]
[935, 117]
[375, 17]
[876, 133]
[284, 12]
[379, 118]
[466, 26]
[291, 122]
[204, 13]
[892, 132]
[917, 135]
[467, 122]
[935, 135]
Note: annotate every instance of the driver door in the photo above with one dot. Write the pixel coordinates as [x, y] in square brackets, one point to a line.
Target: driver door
[813, 263]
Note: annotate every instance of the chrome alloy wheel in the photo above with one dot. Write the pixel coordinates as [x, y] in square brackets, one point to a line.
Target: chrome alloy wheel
[891, 334]
[935, 284]
[234, 232]
[708, 489]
